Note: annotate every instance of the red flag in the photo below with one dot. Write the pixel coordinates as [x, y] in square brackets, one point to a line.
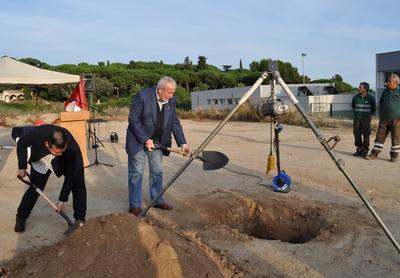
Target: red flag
[77, 100]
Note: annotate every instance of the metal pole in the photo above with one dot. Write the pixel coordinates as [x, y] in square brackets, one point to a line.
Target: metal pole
[303, 55]
[197, 152]
[339, 163]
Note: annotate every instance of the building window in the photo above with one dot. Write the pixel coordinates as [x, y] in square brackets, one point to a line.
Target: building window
[222, 101]
[237, 100]
[215, 101]
[209, 101]
[230, 101]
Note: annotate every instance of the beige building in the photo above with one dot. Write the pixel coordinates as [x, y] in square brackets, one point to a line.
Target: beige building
[11, 95]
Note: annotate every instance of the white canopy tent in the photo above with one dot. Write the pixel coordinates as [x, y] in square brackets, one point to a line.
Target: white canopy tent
[15, 72]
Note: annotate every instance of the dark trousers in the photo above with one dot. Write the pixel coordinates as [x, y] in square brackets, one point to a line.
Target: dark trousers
[392, 126]
[30, 197]
[362, 131]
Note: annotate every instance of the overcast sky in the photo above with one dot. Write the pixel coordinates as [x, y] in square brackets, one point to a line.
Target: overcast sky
[337, 36]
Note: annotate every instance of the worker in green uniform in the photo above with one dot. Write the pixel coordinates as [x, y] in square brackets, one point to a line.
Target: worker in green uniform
[389, 119]
[364, 108]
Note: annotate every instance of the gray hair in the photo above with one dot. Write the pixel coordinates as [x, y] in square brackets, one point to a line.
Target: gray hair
[164, 80]
[396, 77]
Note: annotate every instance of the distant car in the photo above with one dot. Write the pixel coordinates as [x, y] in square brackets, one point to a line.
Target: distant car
[304, 91]
[330, 90]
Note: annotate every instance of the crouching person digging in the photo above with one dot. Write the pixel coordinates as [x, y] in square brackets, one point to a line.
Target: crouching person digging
[52, 149]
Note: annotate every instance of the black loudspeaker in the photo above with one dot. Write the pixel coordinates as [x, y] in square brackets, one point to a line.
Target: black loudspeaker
[89, 82]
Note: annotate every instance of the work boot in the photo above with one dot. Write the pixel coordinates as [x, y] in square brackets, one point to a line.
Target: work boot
[393, 158]
[372, 156]
[364, 153]
[19, 225]
[357, 153]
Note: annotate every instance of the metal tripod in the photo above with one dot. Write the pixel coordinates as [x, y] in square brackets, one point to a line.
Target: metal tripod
[95, 138]
[274, 74]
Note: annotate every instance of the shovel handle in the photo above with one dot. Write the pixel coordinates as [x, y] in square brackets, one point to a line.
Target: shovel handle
[37, 189]
[40, 192]
[172, 150]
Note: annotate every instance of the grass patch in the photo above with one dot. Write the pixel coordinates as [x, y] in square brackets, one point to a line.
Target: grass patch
[23, 107]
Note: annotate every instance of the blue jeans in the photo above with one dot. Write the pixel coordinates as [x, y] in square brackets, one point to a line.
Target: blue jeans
[136, 164]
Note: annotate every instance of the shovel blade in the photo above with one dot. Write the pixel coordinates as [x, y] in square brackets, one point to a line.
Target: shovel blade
[213, 160]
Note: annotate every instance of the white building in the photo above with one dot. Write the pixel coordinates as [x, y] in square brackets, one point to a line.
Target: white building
[228, 98]
[11, 95]
[313, 98]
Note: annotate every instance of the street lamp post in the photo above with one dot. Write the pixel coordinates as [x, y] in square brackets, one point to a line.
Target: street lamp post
[303, 55]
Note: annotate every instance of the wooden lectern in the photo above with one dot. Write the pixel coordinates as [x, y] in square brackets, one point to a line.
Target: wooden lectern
[75, 122]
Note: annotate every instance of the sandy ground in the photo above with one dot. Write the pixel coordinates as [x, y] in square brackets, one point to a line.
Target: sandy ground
[319, 229]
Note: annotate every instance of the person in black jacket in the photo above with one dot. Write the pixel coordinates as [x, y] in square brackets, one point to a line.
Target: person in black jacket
[52, 149]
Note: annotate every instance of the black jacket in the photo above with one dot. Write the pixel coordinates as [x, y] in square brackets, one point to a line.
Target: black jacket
[70, 164]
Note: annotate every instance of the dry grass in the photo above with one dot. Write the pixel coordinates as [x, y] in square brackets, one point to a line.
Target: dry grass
[117, 113]
[245, 113]
[3, 122]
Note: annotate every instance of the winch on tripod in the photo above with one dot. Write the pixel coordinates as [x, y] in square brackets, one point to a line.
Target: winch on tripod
[274, 107]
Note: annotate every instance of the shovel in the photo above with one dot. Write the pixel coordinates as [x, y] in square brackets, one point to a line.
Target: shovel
[62, 213]
[212, 160]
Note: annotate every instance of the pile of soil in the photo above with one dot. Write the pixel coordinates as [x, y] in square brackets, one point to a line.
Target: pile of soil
[116, 246]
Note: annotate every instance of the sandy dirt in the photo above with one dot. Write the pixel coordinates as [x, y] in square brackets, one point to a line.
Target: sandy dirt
[223, 224]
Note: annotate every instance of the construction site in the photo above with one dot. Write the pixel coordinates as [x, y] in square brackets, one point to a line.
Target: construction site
[225, 223]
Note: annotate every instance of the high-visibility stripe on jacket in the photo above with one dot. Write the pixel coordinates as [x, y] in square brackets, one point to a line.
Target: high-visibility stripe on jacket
[363, 107]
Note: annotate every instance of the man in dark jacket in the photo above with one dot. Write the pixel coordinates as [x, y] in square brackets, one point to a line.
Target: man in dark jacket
[389, 119]
[364, 107]
[52, 149]
[152, 119]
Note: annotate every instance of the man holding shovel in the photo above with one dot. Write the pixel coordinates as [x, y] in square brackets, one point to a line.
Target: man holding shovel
[152, 118]
[52, 149]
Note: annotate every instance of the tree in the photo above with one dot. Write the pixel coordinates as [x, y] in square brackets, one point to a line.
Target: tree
[254, 66]
[240, 64]
[183, 99]
[202, 63]
[187, 64]
[33, 62]
[264, 64]
[131, 64]
[104, 89]
[101, 64]
[226, 67]
[337, 77]
[227, 81]
[201, 87]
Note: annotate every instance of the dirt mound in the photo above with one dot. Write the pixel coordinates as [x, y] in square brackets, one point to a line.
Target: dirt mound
[116, 246]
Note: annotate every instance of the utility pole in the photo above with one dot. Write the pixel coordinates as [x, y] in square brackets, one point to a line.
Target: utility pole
[303, 55]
